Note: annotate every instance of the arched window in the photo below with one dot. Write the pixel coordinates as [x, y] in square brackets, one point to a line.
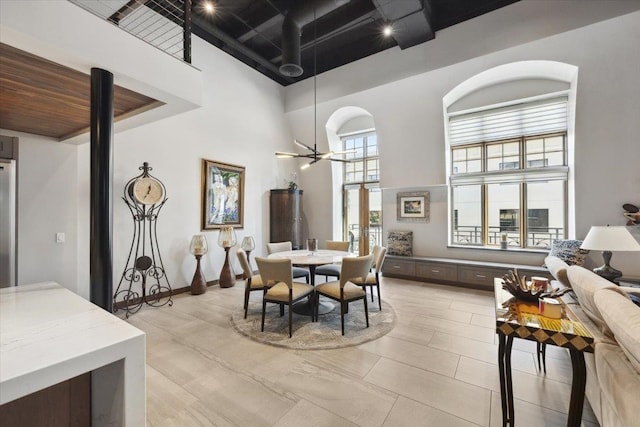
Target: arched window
[509, 136]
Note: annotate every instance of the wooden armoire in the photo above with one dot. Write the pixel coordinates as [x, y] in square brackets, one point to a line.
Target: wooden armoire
[285, 219]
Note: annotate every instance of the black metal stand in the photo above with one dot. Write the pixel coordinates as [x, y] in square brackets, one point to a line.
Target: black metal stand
[145, 239]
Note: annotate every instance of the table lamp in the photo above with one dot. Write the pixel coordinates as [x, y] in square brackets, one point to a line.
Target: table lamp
[609, 239]
[226, 240]
[198, 247]
[248, 245]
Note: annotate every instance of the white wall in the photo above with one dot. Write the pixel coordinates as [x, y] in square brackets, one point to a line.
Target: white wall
[47, 204]
[409, 122]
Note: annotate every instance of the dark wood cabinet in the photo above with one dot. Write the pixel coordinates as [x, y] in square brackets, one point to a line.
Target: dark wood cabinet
[285, 217]
[454, 271]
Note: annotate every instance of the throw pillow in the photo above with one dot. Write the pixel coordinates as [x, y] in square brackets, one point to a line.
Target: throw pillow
[635, 298]
[569, 251]
[400, 243]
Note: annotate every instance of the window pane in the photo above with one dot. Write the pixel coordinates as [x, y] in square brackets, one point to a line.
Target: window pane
[503, 156]
[511, 149]
[474, 166]
[372, 170]
[543, 152]
[503, 210]
[545, 213]
[555, 143]
[535, 146]
[372, 146]
[467, 215]
[359, 146]
[459, 167]
[459, 154]
[474, 153]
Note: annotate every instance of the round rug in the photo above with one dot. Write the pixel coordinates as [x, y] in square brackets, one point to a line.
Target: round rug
[324, 334]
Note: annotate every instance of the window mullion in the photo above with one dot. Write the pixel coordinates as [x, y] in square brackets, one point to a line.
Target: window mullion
[524, 233]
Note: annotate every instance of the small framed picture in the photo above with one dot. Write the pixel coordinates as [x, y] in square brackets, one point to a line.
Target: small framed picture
[413, 206]
[222, 195]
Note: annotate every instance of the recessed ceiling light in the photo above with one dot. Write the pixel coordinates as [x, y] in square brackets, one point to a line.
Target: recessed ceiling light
[208, 7]
[387, 30]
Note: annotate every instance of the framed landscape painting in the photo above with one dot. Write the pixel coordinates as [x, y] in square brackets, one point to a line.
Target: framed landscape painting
[413, 206]
[222, 195]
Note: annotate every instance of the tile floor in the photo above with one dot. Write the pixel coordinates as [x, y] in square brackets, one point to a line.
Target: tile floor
[437, 367]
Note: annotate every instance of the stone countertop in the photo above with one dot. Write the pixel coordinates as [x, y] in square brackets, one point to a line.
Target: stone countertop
[48, 335]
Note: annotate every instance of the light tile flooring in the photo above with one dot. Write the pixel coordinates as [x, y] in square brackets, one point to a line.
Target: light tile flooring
[437, 367]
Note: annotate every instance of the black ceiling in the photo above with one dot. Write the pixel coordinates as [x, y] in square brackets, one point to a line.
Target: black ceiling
[251, 30]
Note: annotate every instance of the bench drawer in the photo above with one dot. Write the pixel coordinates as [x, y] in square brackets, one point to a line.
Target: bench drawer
[437, 271]
[399, 267]
[479, 276]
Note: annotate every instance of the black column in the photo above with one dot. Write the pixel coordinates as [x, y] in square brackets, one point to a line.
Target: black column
[101, 262]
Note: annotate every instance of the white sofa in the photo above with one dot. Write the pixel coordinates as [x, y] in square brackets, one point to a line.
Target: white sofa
[613, 371]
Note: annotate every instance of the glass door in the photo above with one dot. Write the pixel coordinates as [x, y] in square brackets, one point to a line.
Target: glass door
[363, 217]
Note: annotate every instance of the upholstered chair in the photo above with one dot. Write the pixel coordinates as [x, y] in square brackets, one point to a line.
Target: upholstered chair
[298, 272]
[345, 291]
[332, 270]
[253, 282]
[373, 279]
[282, 290]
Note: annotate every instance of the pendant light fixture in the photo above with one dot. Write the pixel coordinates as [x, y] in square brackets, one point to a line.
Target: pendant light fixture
[313, 153]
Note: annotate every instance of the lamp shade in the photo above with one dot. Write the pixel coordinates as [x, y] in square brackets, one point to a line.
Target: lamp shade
[227, 237]
[607, 238]
[248, 244]
[198, 245]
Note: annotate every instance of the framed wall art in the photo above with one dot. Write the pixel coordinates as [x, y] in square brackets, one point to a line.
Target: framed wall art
[222, 195]
[413, 206]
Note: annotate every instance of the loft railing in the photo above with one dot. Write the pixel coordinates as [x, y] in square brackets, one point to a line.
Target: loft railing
[165, 24]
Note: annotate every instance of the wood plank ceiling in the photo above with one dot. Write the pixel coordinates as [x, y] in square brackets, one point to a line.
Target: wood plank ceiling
[41, 97]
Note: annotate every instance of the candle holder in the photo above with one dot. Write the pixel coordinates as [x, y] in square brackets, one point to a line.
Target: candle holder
[226, 240]
[248, 245]
[198, 247]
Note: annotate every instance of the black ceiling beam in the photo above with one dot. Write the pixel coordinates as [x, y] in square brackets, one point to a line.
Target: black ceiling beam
[411, 20]
[206, 30]
[126, 10]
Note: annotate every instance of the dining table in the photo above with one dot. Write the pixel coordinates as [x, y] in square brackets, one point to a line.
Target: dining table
[311, 260]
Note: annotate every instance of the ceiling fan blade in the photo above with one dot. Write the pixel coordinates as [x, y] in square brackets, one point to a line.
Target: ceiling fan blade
[333, 159]
[345, 151]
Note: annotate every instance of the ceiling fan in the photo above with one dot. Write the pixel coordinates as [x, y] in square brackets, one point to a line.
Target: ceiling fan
[313, 154]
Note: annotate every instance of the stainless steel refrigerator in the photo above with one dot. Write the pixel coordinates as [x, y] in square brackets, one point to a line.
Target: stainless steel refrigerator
[7, 223]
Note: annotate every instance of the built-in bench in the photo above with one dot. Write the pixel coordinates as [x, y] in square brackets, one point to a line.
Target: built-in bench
[476, 274]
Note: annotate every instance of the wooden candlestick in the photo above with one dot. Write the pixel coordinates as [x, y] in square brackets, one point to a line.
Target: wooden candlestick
[198, 284]
[227, 276]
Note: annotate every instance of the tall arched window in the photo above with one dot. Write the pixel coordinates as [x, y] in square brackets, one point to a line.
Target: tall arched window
[509, 151]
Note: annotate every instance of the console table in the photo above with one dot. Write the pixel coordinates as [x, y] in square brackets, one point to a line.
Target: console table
[520, 319]
[476, 274]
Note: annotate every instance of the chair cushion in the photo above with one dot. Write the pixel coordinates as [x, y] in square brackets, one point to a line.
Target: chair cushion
[328, 270]
[332, 290]
[585, 284]
[569, 251]
[369, 280]
[256, 282]
[558, 269]
[280, 291]
[623, 318]
[300, 272]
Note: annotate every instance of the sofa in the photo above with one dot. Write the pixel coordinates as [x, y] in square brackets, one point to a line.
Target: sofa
[613, 371]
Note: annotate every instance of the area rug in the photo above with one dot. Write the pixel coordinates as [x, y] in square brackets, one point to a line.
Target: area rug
[325, 334]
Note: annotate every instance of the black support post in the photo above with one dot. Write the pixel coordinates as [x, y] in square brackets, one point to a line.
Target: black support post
[101, 200]
[186, 30]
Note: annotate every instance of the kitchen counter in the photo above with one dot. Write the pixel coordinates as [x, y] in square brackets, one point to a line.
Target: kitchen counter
[48, 335]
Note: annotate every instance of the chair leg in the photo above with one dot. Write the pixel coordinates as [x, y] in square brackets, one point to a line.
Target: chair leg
[379, 296]
[264, 308]
[366, 309]
[246, 301]
[307, 278]
[342, 316]
[281, 310]
[371, 287]
[290, 317]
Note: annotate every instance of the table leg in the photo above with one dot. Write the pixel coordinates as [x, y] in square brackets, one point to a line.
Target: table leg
[506, 383]
[306, 307]
[577, 388]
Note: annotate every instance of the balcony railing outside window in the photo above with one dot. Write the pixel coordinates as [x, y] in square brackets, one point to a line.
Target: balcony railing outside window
[536, 238]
